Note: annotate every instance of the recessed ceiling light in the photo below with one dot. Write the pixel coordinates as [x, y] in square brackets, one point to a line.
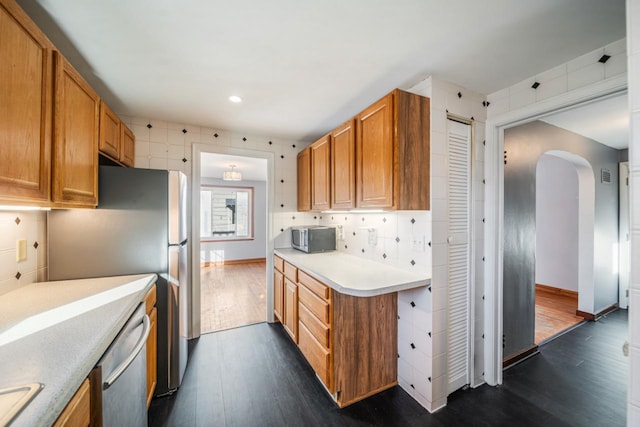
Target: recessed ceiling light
[235, 98]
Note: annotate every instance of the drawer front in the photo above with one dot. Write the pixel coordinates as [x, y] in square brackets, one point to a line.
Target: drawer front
[317, 356]
[318, 288]
[278, 263]
[315, 304]
[318, 329]
[291, 272]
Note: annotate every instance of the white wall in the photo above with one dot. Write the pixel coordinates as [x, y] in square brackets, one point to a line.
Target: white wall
[164, 145]
[633, 47]
[556, 223]
[31, 226]
[243, 249]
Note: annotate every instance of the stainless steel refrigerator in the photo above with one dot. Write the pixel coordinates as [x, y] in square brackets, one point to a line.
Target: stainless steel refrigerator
[139, 226]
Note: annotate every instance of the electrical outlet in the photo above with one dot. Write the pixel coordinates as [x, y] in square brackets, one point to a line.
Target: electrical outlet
[21, 250]
[373, 236]
[417, 244]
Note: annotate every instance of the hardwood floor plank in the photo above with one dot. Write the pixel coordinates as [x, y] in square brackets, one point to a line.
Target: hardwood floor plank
[555, 312]
[232, 295]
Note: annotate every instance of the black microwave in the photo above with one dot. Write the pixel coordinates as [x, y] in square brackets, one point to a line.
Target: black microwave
[313, 238]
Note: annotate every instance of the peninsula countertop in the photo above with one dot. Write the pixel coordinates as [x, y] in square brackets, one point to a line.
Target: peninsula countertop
[352, 275]
[54, 333]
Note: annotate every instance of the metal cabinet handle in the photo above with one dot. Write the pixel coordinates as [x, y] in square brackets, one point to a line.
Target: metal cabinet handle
[146, 327]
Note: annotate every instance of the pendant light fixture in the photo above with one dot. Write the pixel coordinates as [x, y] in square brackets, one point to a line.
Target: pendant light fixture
[232, 175]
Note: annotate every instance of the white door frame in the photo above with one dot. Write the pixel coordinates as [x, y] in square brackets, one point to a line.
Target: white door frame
[494, 205]
[197, 150]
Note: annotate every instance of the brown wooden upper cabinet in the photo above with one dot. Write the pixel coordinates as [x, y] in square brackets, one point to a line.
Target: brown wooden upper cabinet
[127, 146]
[343, 166]
[25, 109]
[321, 174]
[304, 180]
[117, 142]
[378, 160]
[392, 153]
[109, 132]
[50, 122]
[76, 126]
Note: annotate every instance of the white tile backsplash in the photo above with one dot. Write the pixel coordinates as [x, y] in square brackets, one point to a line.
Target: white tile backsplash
[32, 226]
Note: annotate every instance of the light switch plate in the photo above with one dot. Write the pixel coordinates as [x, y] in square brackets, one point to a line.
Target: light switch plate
[21, 250]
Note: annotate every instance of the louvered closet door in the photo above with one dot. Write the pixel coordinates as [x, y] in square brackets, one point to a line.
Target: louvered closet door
[459, 260]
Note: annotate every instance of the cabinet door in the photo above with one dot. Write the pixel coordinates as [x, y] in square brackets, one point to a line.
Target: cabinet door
[78, 410]
[278, 294]
[343, 166]
[75, 146]
[25, 108]
[152, 349]
[291, 309]
[375, 155]
[304, 180]
[127, 146]
[320, 174]
[109, 132]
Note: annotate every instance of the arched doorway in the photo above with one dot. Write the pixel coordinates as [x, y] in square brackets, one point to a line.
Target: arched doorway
[564, 253]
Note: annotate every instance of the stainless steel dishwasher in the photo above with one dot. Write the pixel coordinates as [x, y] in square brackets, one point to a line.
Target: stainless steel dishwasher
[124, 374]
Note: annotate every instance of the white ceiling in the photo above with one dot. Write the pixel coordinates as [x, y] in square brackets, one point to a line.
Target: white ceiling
[605, 121]
[303, 67]
[252, 169]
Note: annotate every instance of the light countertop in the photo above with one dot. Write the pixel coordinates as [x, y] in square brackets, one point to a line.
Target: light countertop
[352, 275]
[54, 333]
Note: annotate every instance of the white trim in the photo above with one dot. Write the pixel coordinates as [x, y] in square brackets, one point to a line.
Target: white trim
[197, 150]
[494, 205]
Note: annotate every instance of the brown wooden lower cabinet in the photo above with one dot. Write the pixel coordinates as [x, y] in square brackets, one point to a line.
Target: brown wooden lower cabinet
[278, 295]
[291, 309]
[152, 343]
[350, 342]
[77, 413]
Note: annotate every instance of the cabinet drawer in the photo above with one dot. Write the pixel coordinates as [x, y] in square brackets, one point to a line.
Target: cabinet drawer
[278, 263]
[315, 304]
[318, 329]
[291, 272]
[312, 284]
[317, 356]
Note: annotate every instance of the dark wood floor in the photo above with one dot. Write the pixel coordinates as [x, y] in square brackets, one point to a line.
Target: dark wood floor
[255, 376]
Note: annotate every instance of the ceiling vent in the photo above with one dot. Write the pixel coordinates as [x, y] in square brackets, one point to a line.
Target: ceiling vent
[605, 176]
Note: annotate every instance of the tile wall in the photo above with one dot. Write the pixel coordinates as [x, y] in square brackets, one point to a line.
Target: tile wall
[31, 226]
[398, 239]
[633, 47]
[167, 145]
[580, 72]
[430, 311]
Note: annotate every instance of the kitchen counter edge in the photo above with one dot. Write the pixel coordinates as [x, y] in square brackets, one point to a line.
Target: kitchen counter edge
[324, 274]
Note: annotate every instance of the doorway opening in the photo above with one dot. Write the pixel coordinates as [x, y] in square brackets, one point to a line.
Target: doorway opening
[496, 320]
[564, 233]
[233, 241]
